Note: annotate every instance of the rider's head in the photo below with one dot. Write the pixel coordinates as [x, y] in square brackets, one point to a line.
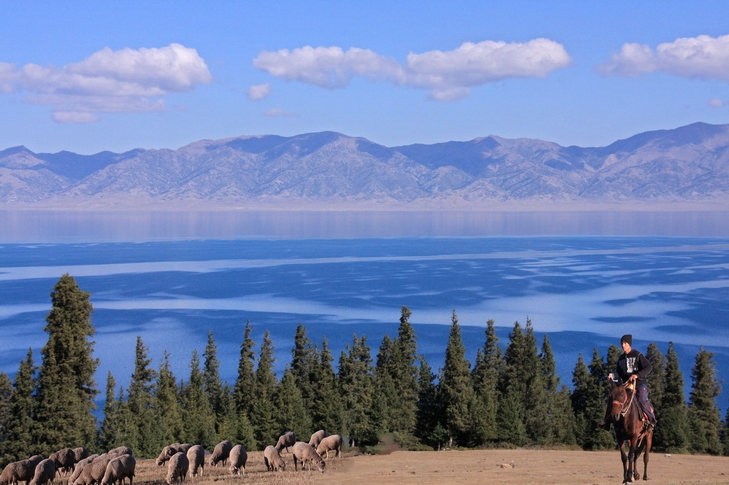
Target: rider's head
[626, 341]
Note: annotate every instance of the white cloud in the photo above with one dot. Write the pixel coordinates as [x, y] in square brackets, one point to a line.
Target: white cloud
[279, 112]
[126, 80]
[259, 91]
[716, 103]
[448, 75]
[701, 57]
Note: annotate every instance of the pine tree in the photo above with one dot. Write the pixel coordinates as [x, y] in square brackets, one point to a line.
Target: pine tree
[385, 394]
[598, 388]
[243, 392]
[19, 439]
[263, 416]
[559, 418]
[141, 402]
[656, 384]
[513, 385]
[405, 373]
[66, 386]
[304, 364]
[581, 383]
[212, 384]
[167, 407]
[356, 391]
[489, 363]
[327, 410]
[429, 416]
[197, 414]
[724, 435]
[673, 430]
[291, 411]
[455, 386]
[6, 395]
[703, 413]
[536, 401]
[111, 427]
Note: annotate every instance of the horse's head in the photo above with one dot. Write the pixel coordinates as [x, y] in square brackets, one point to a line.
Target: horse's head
[617, 398]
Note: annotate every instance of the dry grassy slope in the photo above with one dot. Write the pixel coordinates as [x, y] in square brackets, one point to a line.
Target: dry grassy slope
[465, 467]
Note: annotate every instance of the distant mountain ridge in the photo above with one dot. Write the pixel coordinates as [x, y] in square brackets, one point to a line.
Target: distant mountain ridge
[331, 170]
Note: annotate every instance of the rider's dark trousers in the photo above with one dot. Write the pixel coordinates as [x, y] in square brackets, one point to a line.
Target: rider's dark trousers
[642, 396]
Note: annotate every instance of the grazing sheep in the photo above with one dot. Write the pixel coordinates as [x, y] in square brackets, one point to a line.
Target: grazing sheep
[19, 471]
[118, 469]
[183, 447]
[238, 458]
[45, 472]
[166, 453]
[80, 468]
[220, 453]
[177, 468]
[196, 458]
[80, 453]
[121, 450]
[64, 460]
[331, 443]
[272, 459]
[285, 441]
[304, 453]
[317, 437]
[93, 472]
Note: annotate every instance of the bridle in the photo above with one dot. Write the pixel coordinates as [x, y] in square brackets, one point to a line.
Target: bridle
[623, 407]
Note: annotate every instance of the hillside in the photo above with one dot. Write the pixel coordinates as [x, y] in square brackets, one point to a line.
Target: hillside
[687, 165]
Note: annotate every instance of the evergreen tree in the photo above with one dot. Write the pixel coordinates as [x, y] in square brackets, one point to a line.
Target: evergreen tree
[227, 425]
[6, 395]
[703, 413]
[405, 373]
[598, 387]
[291, 412]
[197, 414]
[559, 418]
[489, 363]
[673, 430]
[385, 394]
[304, 364]
[167, 407]
[514, 382]
[111, 433]
[19, 438]
[263, 415]
[212, 384]
[724, 435]
[141, 402]
[327, 410]
[356, 390]
[536, 401]
[245, 384]
[455, 387]
[429, 416]
[581, 383]
[656, 384]
[66, 386]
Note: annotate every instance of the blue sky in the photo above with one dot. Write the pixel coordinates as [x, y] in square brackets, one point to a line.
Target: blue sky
[92, 76]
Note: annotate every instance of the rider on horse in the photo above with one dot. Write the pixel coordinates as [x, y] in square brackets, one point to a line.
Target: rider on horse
[634, 367]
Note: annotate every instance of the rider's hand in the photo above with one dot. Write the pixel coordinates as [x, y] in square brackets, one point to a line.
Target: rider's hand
[633, 378]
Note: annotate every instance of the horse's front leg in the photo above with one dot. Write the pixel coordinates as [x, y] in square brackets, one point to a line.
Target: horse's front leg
[648, 444]
[624, 458]
[631, 463]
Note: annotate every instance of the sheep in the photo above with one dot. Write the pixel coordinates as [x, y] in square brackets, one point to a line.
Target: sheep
[305, 453]
[317, 437]
[93, 472]
[80, 467]
[238, 457]
[121, 450]
[80, 453]
[166, 453]
[64, 460]
[183, 447]
[285, 441]
[331, 443]
[44, 473]
[19, 471]
[177, 468]
[196, 458]
[220, 453]
[272, 459]
[118, 469]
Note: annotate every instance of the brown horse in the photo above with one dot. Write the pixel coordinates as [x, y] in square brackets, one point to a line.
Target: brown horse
[627, 418]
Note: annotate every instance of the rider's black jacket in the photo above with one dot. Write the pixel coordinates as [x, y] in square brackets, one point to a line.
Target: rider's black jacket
[633, 363]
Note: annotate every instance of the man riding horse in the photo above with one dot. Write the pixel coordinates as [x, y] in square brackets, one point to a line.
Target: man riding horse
[633, 367]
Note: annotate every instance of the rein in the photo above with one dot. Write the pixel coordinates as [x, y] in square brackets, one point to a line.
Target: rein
[624, 409]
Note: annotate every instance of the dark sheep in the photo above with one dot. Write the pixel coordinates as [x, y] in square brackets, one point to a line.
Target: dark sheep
[196, 458]
[64, 460]
[94, 471]
[121, 450]
[272, 459]
[238, 458]
[285, 441]
[80, 468]
[317, 437]
[45, 472]
[221, 453]
[80, 453]
[331, 443]
[177, 468]
[118, 469]
[18, 471]
[305, 453]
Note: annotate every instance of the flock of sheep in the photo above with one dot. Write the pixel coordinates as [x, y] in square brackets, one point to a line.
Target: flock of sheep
[182, 460]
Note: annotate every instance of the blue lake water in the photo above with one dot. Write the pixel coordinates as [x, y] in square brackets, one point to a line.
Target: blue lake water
[582, 279]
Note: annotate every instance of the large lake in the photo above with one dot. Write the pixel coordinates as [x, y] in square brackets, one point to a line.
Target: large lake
[582, 278]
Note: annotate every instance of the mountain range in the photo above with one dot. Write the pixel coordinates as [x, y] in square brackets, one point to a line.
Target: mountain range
[686, 165]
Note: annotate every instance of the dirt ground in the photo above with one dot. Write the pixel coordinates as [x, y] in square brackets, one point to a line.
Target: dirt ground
[465, 467]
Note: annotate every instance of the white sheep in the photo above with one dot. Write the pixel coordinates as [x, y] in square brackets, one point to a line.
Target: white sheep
[118, 469]
[331, 443]
[272, 459]
[238, 458]
[177, 468]
[286, 440]
[196, 458]
[305, 453]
